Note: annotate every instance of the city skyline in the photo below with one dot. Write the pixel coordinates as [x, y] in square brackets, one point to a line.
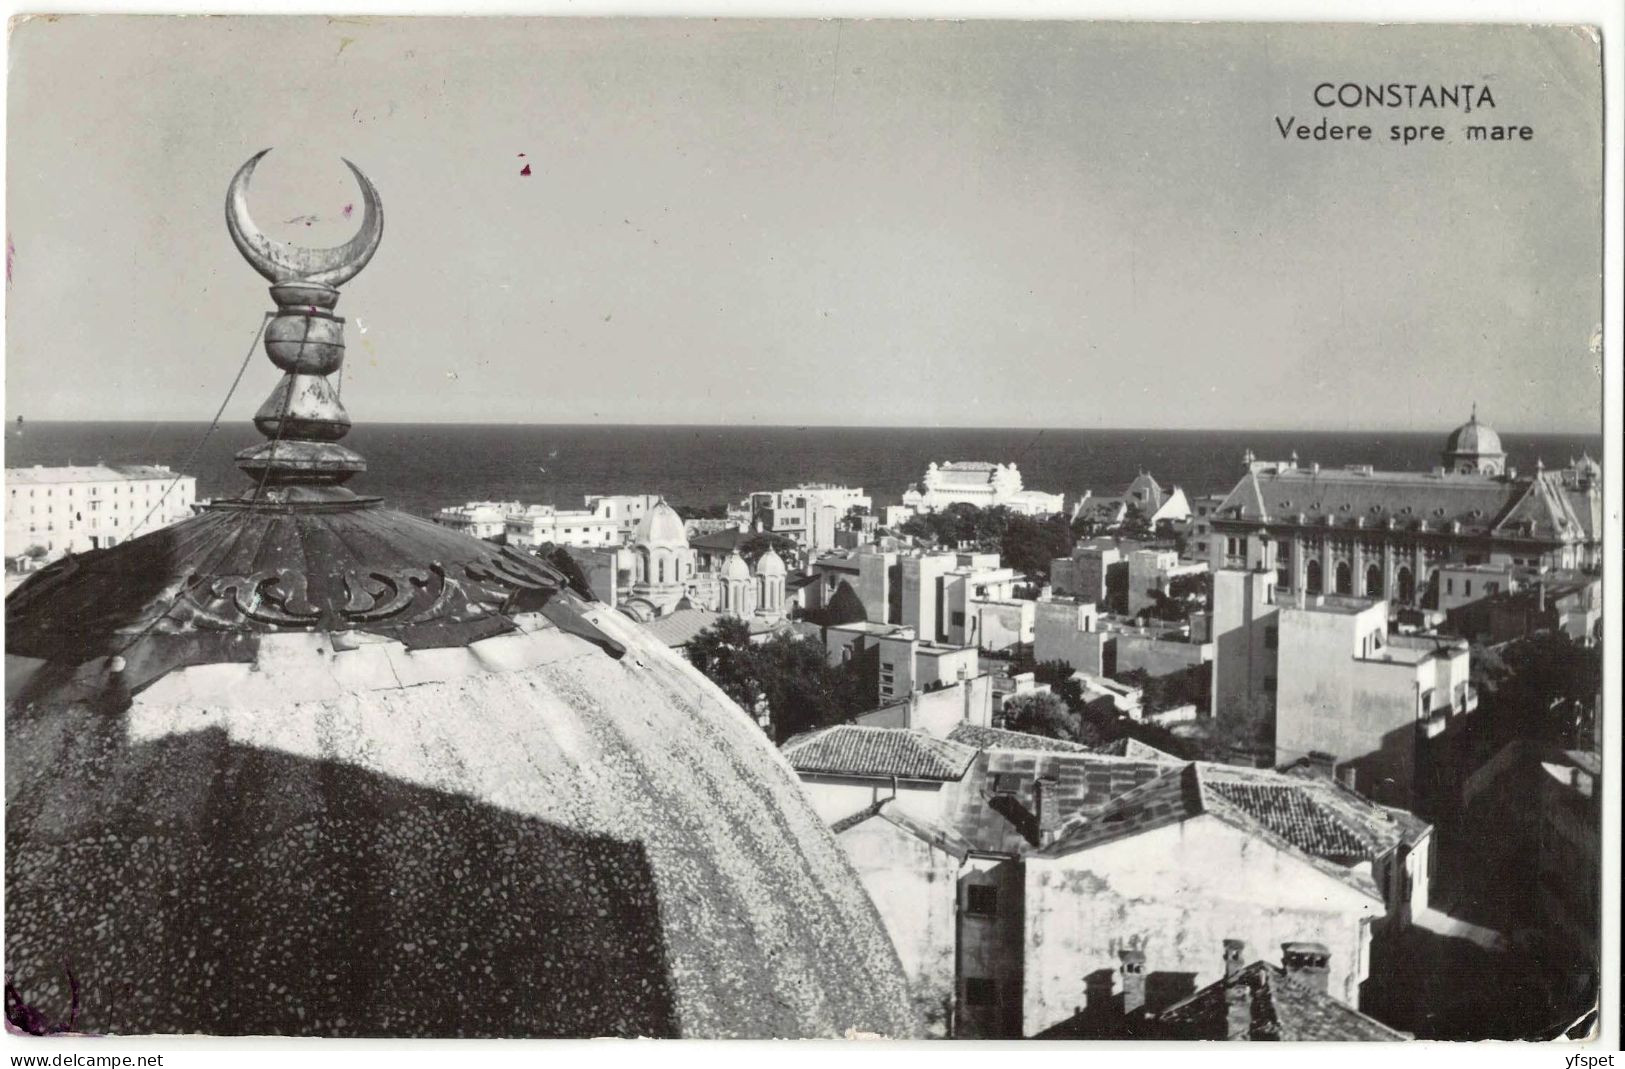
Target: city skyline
[856, 224]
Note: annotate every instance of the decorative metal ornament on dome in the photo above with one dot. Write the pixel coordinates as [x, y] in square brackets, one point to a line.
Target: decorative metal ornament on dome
[297, 550]
[303, 418]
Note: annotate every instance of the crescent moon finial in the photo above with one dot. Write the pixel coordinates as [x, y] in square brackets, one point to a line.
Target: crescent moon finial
[282, 262]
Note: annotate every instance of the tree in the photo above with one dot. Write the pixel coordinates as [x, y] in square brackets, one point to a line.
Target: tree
[756, 545]
[1542, 687]
[1029, 545]
[1041, 713]
[804, 691]
[1062, 681]
[702, 512]
[723, 653]
[788, 674]
[1136, 524]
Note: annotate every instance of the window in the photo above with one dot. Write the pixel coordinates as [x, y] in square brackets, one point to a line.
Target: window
[1492, 588]
[978, 991]
[982, 900]
[959, 619]
[1272, 637]
[1449, 586]
[1467, 587]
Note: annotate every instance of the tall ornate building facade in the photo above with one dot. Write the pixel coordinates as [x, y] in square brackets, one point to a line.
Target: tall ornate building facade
[1380, 534]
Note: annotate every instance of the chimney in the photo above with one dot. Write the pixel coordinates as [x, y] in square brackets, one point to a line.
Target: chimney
[1133, 980]
[1307, 963]
[1048, 806]
[1233, 951]
[1238, 995]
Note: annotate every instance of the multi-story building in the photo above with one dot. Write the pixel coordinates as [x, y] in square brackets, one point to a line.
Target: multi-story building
[627, 510]
[1199, 528]
[1013, 875]
[897, 659]
[810, 513]
[74, 509]
[1150, 571]
[538, 525]
[1097, 572]
[1387, 535]
[479, 519]
[1339, 686]
[978, 483]
[1074, 631]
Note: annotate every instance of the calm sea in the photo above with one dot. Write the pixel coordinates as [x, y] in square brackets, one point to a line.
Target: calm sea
[422, 467]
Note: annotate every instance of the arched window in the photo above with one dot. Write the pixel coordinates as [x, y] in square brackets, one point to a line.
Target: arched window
[1345, 578]
[1373, 582]
[1406, 584]
[660, 567]
[1311, 581]
[1430, 600]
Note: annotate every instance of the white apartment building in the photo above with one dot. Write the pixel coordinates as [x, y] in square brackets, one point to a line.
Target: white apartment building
[479, 519]
[627, 510]
[539, 524]
[74, 509]
[807, 513]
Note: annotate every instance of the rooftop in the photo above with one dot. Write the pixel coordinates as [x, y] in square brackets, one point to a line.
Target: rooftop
[1534, 508]
[90, 473]
[870, 752]
[1283, 1008]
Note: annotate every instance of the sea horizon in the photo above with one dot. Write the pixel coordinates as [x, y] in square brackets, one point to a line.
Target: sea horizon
[421, 467]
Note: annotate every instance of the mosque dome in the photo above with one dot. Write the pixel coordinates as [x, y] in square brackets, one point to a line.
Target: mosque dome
[661, 526]
[735, 567]
[770, 564]
[303, 765]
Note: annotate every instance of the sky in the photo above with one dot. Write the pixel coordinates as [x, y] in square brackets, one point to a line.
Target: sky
[1086, 225]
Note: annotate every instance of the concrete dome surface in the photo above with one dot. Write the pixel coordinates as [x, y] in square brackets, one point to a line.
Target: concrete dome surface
[734, 567]
[508, 831]
[770, 564]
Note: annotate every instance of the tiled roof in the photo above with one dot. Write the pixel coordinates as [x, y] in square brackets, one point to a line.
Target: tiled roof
[1283, 1009]
[719, 540]
[679, 627]
[1526, 508]
[851, 750]
[1174, 795]
[1289, 812]
[985, 738]
[996, 804]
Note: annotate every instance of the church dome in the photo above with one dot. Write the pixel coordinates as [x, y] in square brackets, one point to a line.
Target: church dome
[770, 564]
[1474, 439]
[661, 526]
[303, 765]
[735, 567]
